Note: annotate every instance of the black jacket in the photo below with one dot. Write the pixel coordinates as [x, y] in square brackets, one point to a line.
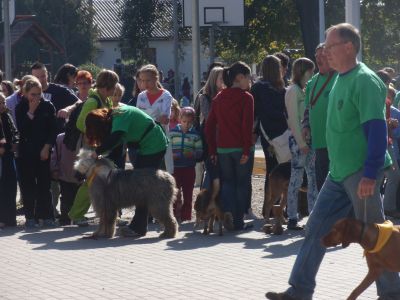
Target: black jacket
[269, 108]
[35, 133]
[8, 131]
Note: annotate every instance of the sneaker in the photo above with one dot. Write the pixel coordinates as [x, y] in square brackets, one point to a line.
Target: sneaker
[80, 222]
[279, 296]
[49, 223]
[31, 223]
[228, 221]
[292, 225]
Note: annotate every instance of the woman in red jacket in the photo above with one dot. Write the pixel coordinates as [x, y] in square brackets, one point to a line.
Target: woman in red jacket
[228, 131]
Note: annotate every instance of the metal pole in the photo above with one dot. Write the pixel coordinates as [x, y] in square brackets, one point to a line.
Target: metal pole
[176, 49]
[321, 21]
[196, 47]
[7, 40]
[212, 43]
[353, 17]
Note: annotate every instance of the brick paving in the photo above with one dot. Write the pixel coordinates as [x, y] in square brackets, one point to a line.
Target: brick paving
[58, 264]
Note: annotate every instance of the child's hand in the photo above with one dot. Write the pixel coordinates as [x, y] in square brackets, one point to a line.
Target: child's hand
[244, 159]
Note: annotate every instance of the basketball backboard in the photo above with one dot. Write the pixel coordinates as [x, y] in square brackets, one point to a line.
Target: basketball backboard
[221, 12]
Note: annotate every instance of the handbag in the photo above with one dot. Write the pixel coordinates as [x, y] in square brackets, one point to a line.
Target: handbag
[280, 145]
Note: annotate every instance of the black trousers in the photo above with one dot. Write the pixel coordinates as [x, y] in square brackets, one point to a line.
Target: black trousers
[8, 190]
[68, 192]
[140, 219]
[35, 179]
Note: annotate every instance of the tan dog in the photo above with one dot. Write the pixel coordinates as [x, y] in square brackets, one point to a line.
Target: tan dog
[276, 193]
[347, 231]
[208, 209]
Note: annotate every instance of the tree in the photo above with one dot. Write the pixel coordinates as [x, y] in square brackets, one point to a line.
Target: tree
[138, 17]
[69, 22]
[270, 26]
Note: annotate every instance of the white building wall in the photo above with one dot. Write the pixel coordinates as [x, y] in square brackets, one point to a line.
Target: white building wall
[165, 57]
[108, 53]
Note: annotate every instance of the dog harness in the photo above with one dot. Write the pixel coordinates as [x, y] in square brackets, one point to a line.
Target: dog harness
[385, 231]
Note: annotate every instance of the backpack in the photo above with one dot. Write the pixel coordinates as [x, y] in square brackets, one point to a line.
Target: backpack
[72, 133]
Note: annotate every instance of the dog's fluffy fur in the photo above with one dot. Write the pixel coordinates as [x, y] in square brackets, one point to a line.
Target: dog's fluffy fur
[208, 209]
[111, 190]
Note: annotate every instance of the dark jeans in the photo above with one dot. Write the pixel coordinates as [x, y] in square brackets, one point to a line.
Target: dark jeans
[68, 193]
[270, 160]
[35, 187]
[321, 166]
[8, 190]
[235, 185]
[140, 219]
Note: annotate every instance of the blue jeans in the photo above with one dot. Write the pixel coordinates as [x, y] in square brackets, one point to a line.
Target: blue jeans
[300, 163]
[336, 200]
[235, 180]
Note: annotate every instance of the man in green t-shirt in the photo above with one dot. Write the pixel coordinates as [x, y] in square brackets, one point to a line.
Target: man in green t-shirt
[356, 138]
[314, 121]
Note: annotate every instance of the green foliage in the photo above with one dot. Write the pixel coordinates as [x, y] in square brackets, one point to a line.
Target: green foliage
[90, 67]
[270, 26]
[69, 22]
[138, 17]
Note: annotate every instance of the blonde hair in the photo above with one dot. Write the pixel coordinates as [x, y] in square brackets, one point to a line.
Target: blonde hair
[119, 87]
[176, 109]
[20, 82]
[31, 83]
[152, 69]
[210, 88]
[107, 79]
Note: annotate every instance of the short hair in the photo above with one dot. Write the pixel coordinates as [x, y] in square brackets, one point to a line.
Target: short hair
[283, 58]
[320, 46]
[384, 76]
[347, 33]
[85, 75]
[31, 83]
[63, 72]
[38, 65]
[390, 70]
[300, 67]
[188, 111]
[107, 79]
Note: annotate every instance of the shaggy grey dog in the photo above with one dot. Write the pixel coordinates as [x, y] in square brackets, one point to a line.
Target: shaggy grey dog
[111, 190]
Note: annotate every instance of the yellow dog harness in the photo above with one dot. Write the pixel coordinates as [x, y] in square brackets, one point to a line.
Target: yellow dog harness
[385, 231]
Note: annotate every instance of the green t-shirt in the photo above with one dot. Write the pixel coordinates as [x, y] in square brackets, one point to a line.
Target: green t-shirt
[396, 100]
[134, 122]
[356, 97]
[319, 111]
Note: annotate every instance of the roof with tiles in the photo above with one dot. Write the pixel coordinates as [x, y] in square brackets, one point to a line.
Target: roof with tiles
[110, 25]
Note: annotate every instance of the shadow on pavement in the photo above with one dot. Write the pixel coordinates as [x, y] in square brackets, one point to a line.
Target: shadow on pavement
[71, 238]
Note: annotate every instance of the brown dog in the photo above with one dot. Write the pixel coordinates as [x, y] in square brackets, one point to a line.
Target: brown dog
[208, 209]
[276, 193]
[347, 231]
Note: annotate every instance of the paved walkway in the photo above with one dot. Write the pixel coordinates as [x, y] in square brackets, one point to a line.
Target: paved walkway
[58, 264]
